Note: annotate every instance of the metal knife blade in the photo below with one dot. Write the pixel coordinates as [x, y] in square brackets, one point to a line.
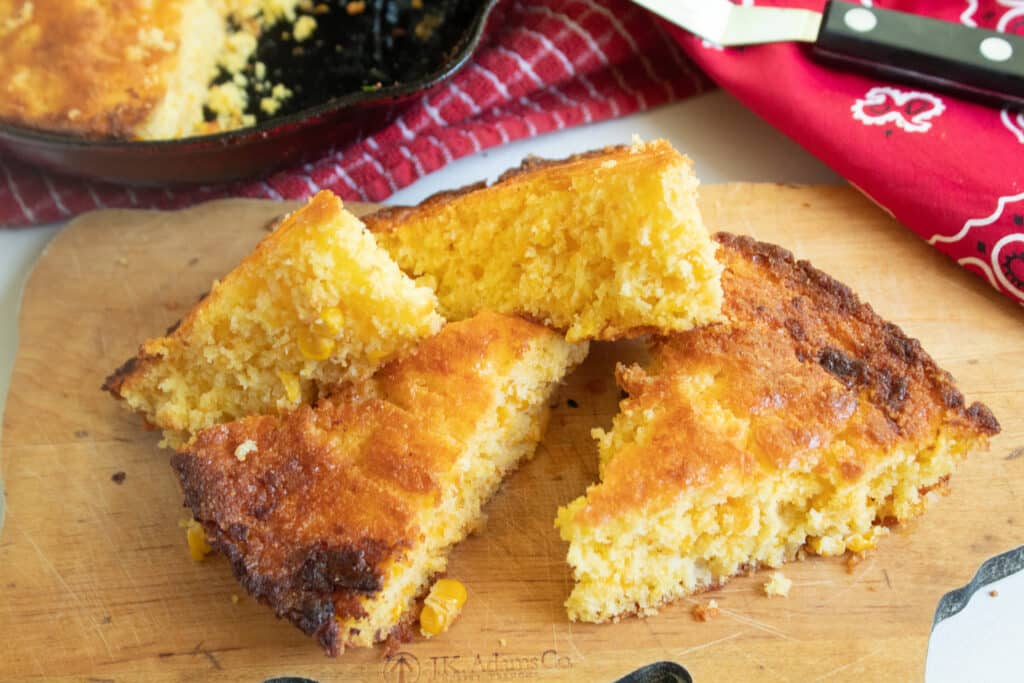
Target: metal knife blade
[727, 24]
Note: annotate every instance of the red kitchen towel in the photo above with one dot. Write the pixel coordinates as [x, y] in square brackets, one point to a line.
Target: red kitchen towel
[543, 66]
[950, 170]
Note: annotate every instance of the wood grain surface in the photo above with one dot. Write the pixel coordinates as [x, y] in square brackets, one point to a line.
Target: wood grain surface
[96, 583]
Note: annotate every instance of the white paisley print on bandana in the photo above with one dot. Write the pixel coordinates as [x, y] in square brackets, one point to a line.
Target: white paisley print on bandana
[1010, 21]
[908, 110]
[1013, 121]
[998, 242]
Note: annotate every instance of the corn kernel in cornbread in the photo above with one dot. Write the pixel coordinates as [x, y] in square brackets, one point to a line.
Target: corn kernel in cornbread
[441, 607]
[316, 303]
[605, 245]
[804, 421]
[198, 547]
[342, 514]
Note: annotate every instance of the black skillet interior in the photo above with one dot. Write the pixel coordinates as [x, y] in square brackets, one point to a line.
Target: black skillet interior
[388, 43]
[355, 73]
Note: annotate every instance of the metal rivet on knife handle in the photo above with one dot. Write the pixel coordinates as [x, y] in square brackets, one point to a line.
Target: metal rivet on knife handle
[995, 48]
[860, 19]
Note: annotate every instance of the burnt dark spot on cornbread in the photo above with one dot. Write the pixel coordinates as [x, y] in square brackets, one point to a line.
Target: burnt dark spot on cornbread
[347, 568]
[982, 416]
[795, 329]
[269, 516]
[830, 326]
[112, 384]
[840, 366]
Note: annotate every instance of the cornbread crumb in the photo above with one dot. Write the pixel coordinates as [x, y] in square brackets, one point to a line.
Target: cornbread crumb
[427, 25]
[599, 252]
[993, 593]
[227, 101]
[280, 92]
[235, 599]
[275, 10]
[270, 105]
[777, 584]
[244, 449]
[304, 27]
[502, 642]
[198, 547]
[238, 48]
[853, 560]
[316, 303]
[703, 612]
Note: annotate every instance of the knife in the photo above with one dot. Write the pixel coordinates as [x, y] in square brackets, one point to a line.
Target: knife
[971, 62]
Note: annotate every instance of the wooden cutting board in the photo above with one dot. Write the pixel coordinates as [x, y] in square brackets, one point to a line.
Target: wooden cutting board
[96, 583]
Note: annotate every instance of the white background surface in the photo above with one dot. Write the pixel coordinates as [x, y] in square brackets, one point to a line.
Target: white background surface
[985, 642]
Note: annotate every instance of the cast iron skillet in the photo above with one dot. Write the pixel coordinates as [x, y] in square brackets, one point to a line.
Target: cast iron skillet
[353, 76]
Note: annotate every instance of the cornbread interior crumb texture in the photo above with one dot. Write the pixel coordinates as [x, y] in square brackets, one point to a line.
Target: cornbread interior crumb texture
[804, 421]
[341, 514]
[604, 245]
[316, 303]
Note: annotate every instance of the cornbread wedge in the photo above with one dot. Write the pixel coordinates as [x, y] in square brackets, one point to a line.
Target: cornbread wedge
[339, 516]
[316, 303]
[134, 69]
[603, 245]
[804, 421]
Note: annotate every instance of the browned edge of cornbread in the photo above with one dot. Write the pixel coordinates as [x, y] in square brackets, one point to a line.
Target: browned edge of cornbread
[389, 217]
[832, 300]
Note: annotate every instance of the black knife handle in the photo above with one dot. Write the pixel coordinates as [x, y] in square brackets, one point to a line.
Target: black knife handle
[969, 62]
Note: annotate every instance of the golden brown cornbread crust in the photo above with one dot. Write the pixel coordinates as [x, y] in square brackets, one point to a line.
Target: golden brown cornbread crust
[295, 522]
[801, 355]
[390, 217]
[330, 494]
[827, 322]
[56, 75]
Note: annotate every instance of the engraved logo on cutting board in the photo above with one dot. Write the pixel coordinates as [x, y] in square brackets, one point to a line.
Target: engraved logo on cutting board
[404, 667]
